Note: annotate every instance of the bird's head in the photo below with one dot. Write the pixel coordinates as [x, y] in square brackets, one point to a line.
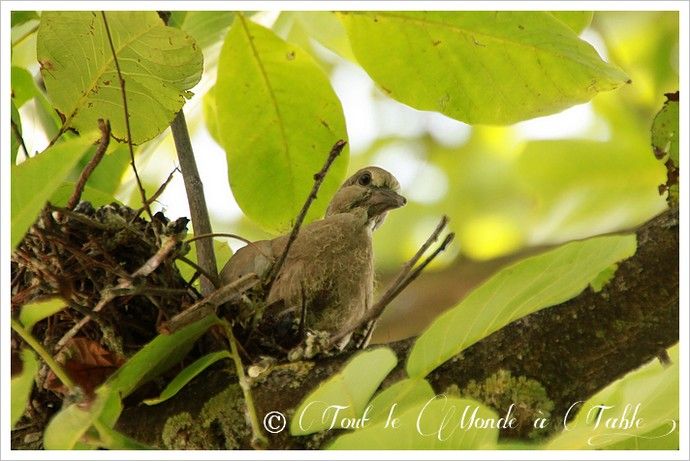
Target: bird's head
[373, 189]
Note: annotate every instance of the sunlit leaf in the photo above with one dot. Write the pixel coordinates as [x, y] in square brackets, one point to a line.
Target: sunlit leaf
[346, 393]
[207, 27]
[325, 27]
[36, 179]
[20, 17]
[159, 65]
[576, 20]
[21, 385]
[278, 118]
[396, 398]
[186, 375]
[481, 66]
[35, 312]
[518, 290]
[15, 133]
[23, 86]
[66, 429]
[433, 424]
[652, 425]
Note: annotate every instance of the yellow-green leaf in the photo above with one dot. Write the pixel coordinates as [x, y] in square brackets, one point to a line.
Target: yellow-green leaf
[479, 66]
[576, 20]
[278, 118]
[516, 291]
[35, 312]
[21, 385]
[344, 395]
[159, 65]
[433, 424]
[35, 180]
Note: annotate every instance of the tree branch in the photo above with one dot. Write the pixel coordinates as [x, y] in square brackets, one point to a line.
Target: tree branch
[573, 349]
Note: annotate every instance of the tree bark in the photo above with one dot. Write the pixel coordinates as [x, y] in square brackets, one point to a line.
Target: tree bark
[573, 350]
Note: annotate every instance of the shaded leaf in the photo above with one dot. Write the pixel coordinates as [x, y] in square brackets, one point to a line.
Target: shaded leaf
[159, 65]
[21, 385]
[278, 118]
[23, 86]
[33, 313]
[66, 429]
[207, 27]
[20, 17]
[157, 356]
[36, 179]
[325, 27]
[186, 375]
[430, 425]
[518, 290]
[480, 66]
[346, 393]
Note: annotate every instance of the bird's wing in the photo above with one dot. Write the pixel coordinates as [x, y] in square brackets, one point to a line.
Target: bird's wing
[256, 257]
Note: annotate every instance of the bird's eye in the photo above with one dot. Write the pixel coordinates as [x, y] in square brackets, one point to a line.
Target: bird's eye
[365, 179]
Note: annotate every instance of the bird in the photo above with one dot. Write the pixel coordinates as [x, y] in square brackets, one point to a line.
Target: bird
[327, 278]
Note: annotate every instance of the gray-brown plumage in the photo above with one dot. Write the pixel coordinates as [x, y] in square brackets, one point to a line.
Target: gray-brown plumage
[329, 269]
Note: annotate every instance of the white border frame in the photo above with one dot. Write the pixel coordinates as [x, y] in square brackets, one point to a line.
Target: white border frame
[7, 6]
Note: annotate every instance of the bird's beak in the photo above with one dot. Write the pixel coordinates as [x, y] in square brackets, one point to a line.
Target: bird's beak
[382, 200]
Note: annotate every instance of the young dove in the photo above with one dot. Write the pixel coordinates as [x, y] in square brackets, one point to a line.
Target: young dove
[329, 271]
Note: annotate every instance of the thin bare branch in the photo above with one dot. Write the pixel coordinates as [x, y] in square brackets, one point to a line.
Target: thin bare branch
[318, 180]
[160, 190]
[208, 304]
[104, 126]
[405, 277]
[126, 110]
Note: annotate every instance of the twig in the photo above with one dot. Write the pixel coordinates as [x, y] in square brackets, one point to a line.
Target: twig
[18, 135]
[129, 130]
[95, 160]
[109, 294]
[160, 190]
[405, 277]
[204, 306]
[197, 202]
[194, 266]
[318, 180]
[43, 353]
[425, 246]
[220, 234]
[259, 440]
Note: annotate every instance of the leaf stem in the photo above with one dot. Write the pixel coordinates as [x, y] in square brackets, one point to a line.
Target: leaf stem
[258, 438]
[129, 130]
[44, 354]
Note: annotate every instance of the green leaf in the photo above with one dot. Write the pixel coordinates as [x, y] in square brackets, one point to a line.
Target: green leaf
[35, 312]
[278, 118]
[207, 27]
[20, 17]
[23, 86]
[159, 65]
[210, 114]
[157, 356]
[576, 20]
[401, 395]
[516, 291]
[480, 66]
[604, 277]
[95, 196]
[430, 425]
[665, 131]
[66, 429]
[36, 179]
[344, 395]
[114, 440]
[21, 385]
[186, 375]
[325, 27]
[654, 387]
[220, 248]
[16, 125]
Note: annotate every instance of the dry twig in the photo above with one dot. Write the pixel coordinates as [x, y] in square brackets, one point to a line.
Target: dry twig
[318, 180]
[104, 126]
